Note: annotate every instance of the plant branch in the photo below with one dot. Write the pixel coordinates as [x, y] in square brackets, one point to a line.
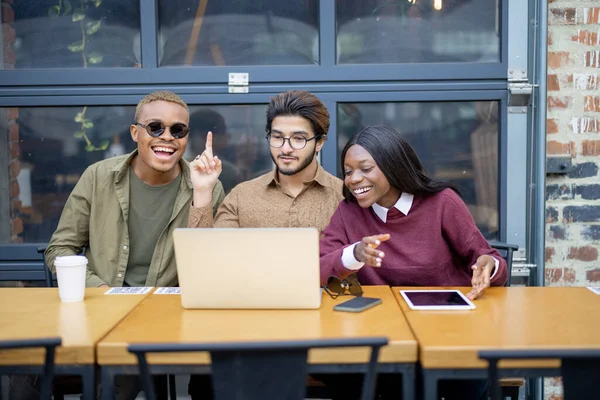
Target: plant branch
[83, 37]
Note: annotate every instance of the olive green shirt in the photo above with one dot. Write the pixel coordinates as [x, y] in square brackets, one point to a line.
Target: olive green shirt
[264, 203]
[96, 217]
[150, 207]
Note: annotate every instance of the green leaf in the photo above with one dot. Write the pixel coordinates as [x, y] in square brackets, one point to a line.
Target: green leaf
[104, 145]
[95, 58]
[76, 47]
[79, 134]
[92, 27]
[97, 3]
[87, 124]
[54, 11]
[79, 117]
[78, 15]
[67, 6]
[90, 147]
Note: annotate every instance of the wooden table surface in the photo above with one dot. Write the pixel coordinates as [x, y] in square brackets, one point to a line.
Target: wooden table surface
[161, 319]
[30, 313]
[506, 318]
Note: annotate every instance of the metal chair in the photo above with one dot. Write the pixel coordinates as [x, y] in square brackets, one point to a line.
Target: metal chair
[48, 371]
[259, 370]
[24, 262]
[510, 387]
[506, 251]
[580, 369]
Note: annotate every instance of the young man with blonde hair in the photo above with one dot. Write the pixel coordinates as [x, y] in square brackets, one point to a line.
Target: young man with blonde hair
[124, 209]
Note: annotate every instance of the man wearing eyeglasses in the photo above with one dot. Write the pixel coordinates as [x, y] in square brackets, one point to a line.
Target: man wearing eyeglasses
[123, 210]
[297, 193]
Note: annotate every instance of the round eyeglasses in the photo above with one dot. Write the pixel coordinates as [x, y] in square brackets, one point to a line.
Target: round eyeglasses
[296, 142]
[156, 129]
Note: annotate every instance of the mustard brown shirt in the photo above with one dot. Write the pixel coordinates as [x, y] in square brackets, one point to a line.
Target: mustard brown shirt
[96, 217]
[263, 203]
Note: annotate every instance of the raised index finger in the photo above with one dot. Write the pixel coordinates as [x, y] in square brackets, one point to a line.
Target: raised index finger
[208, 146]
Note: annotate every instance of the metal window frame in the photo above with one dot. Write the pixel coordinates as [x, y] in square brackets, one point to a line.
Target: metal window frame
[330, 81]
[330, 99]
[517, 128]
[326, 71]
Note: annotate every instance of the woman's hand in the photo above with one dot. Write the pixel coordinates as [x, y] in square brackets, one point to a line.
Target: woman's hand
[482, 271]
[366, 250]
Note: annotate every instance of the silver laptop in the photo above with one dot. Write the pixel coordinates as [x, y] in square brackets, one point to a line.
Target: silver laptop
[260, 268]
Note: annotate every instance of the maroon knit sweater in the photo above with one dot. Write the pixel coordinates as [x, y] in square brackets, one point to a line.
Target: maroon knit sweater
[434, 245]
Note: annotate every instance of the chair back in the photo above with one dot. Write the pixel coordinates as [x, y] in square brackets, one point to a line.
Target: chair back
[579, 369]
[24, 262]
[260, 370]
[48, 370]
[506, 251]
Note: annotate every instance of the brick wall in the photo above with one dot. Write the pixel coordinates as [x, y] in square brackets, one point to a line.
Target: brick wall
[573, 129]
[8, 57]
[573, 200]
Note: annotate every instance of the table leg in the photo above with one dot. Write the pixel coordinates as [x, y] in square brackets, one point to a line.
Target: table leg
[172, 387]
[88, 378]
[108, 384]
[408, 383]
[430, 385]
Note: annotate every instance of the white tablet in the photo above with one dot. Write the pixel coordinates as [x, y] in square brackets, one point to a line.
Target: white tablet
[436, 300]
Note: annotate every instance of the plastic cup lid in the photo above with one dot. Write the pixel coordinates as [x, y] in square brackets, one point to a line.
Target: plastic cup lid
[70, 261]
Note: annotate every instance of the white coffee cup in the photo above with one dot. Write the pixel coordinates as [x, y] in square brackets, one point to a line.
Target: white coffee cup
[70, 272]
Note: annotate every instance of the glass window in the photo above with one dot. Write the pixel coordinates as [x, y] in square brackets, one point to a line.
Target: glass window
[417, 31]
[234, 32]
[71, 34]
[456, 141]
[50, 147]
[238, 140]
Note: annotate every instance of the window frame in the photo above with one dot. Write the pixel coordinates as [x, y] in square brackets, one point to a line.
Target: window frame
[330, 81]
[328, 154]
[327, 71]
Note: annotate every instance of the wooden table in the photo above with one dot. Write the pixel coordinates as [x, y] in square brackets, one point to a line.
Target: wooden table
[161, 319]
[506, 318]
[30, 313]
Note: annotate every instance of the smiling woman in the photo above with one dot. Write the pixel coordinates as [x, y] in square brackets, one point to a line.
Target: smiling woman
[379, 165]
[365, 180]
[399, 227]
[456, 141]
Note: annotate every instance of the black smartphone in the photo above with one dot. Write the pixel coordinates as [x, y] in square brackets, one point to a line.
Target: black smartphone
[357, 304]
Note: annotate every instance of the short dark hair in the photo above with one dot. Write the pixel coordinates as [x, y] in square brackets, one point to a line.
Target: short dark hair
[396, 159]
[302, 104]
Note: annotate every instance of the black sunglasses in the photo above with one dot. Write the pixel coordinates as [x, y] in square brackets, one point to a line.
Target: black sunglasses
[336, 287]
[155, 129]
